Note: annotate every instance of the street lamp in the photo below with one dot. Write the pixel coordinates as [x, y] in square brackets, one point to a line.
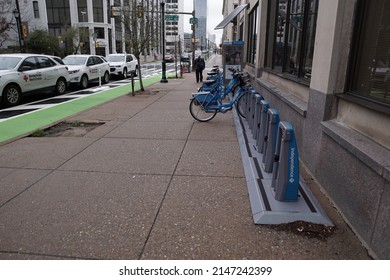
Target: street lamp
[163, 64]
[16, 14]
[83, 13]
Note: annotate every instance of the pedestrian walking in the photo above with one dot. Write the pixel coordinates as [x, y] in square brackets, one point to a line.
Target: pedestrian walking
[199, 67]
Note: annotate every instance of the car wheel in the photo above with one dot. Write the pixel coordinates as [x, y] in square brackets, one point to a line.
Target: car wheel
[84, 81]
[106, 78]
[124, 75]
[12, 95]
[60, 86]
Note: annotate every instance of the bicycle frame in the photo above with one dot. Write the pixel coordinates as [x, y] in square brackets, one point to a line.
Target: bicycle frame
[213, 101]
[217, 86]
[205, 105]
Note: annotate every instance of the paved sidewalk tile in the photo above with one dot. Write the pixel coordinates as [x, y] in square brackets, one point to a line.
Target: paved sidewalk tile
[83, 215]
[42, 152]
[120, 155]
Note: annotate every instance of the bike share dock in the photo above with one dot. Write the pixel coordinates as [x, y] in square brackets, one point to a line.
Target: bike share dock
[269, 153]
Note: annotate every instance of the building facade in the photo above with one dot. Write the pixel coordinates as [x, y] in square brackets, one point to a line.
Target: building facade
[325, 66]
[231, 32]
[174, 30]
[201, 28]
[102, 24]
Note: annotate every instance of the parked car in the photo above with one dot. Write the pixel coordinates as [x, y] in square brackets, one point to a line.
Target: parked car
[57, 59]
[169, 58]
[185, 58]
[85, 69]
[121, 64]
[28, 73]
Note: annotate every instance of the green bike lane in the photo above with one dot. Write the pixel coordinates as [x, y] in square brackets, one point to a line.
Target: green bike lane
[25, 124]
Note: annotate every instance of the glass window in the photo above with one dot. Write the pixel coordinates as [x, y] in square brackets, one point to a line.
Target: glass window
[82, 10]
[290, 38]
[30, 62]
[58, 13]
[90, 61]
[36, 9]
[252, 36]
[98, 11]
[44, 62]
[370, 65]
[99, 32]
[98, 60]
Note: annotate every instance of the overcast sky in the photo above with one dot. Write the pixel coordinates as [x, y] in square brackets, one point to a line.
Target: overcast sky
[214, 16]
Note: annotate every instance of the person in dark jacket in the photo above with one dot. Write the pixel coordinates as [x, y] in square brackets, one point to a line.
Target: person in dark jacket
[199, 67]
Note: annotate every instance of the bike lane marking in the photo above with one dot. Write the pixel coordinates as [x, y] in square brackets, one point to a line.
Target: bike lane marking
[43, 116]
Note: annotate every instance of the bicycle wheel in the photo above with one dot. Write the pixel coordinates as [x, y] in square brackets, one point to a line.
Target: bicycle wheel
[199, 114]
[241, 104]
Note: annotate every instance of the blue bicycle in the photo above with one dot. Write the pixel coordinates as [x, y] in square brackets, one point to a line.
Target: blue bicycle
[204, 106]
[213, 83]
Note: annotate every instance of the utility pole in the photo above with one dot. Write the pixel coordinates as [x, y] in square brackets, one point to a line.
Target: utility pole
[163, 65]
[18, 18]
[193, 39]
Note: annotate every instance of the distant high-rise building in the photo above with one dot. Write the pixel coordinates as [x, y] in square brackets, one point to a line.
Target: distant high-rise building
[100, 25]
[174, 28]
[201, 29]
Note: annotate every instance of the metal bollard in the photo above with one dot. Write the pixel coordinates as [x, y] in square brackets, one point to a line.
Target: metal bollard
[262, 132]
[252, 108]
[257, 116]
[273, 123]
[249, 104]
[285, 179]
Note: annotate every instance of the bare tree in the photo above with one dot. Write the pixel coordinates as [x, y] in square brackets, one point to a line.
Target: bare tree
[140, 37]
[7, 21]
[74, 39]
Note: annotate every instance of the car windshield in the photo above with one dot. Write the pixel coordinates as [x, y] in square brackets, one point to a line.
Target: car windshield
[116, 58]
[8, 63]
[74, 60]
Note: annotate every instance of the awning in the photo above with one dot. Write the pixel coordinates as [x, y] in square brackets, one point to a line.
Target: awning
[230, 17]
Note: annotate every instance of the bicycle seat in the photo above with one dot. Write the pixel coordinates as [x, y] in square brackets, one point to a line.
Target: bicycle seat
[209, 82]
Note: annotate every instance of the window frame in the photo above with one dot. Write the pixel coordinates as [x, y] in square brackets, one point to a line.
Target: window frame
[253, 19]
[98, 11]
[349, 93]
[271, 40]
[44, 62]
[36, 9]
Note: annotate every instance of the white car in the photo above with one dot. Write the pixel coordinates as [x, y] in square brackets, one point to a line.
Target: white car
[26, 73]
[85, 69]
[121, 64]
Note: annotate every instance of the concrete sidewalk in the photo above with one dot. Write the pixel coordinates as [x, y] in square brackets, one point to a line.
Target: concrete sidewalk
[150, 183]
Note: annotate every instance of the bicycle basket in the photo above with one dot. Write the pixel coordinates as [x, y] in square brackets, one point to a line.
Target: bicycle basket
[205, 98]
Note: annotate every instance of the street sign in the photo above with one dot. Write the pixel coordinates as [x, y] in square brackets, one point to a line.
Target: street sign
[171, 17]
[193, 20]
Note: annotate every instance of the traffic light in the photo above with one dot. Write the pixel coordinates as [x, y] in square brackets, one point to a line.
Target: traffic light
[96, 44]
[24, 30]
